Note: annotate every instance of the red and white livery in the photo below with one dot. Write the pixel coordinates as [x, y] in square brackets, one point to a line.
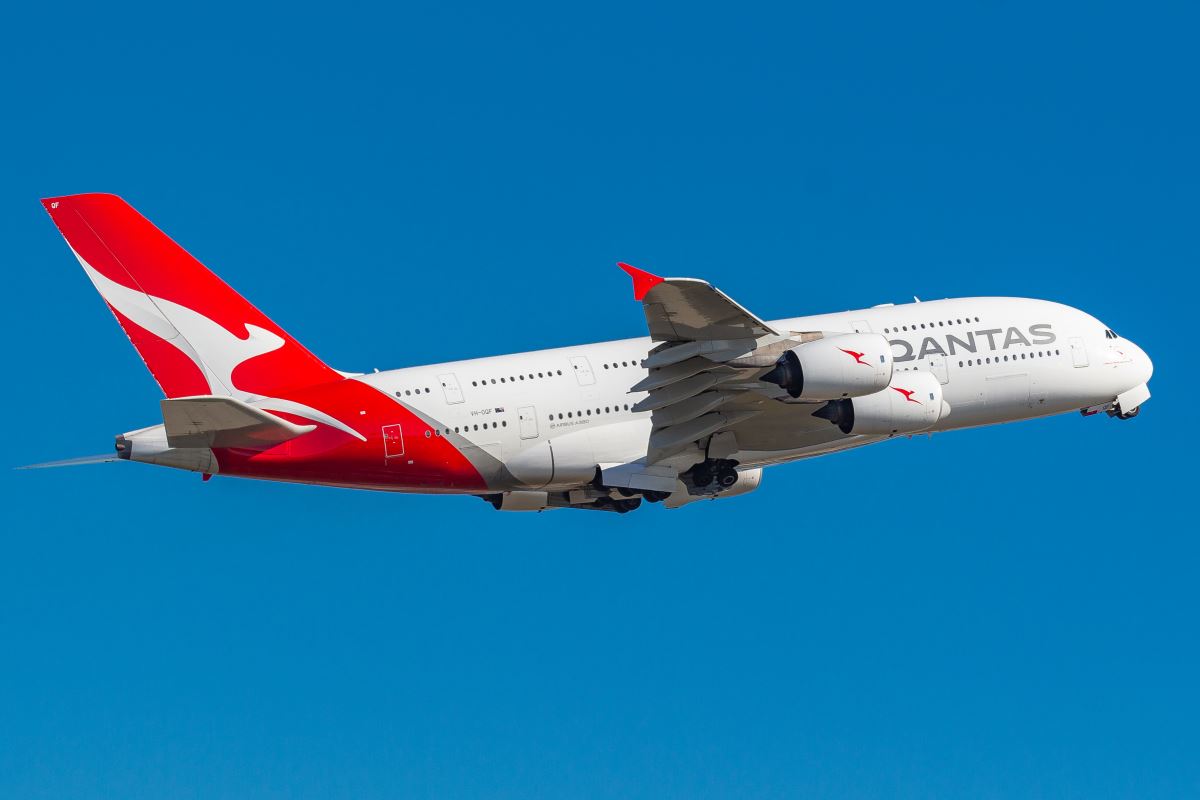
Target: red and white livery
[696, 410]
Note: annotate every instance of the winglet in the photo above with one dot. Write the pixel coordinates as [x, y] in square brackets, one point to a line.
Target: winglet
[642, 281]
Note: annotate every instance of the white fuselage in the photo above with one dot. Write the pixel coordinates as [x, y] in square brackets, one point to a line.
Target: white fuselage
[997, 359]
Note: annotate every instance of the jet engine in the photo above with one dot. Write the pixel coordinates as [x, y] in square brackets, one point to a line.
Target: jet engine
[911, 403]
[833, 367]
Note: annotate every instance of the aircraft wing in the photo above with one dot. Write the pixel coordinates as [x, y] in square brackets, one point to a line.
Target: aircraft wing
[702, 378]
[687, 309]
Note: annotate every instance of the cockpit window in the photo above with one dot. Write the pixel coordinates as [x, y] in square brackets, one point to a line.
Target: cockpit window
[1109, 333]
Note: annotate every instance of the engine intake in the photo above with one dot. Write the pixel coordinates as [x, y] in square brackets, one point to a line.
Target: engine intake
[834, 367]
[911, 403]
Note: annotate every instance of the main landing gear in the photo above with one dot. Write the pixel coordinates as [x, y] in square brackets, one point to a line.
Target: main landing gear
[628, 500]
[650, 495]
[622, 506]
[715, 470]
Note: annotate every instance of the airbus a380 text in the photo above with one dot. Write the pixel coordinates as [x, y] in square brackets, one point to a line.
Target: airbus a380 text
[695, 410]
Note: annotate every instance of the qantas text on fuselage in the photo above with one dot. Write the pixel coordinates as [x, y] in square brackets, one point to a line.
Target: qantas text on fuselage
[971, 342]
[696, 410]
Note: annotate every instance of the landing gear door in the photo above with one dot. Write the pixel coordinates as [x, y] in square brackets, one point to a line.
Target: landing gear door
[451, 388]
[527, 415]
[937, 365]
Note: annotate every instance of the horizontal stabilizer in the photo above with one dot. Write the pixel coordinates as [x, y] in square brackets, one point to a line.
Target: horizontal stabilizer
[215, 421]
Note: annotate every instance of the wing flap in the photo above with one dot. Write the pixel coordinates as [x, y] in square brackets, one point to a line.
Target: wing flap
[707, 342]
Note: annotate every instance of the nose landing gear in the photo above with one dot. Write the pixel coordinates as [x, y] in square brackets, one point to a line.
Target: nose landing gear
[1116, 411]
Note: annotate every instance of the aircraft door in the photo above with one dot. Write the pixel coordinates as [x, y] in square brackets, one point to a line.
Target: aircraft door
[527, 416]
[451, 388]
[393, 442]
[1079, 355]
[583, 371]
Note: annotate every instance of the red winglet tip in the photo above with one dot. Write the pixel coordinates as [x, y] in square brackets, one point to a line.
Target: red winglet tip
[642, 281]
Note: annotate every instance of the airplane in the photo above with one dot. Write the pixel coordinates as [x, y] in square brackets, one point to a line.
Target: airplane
[696, 410]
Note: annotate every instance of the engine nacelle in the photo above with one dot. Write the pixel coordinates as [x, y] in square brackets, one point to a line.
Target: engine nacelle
[911, 403]
[834, 367]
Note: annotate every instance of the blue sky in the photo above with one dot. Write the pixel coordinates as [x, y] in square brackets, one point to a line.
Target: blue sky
[999, 613]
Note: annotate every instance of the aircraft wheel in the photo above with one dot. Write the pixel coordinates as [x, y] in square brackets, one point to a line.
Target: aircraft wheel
[655, 497]
[625, 506]
[1129, 414]
[702, 476]
[727, 477]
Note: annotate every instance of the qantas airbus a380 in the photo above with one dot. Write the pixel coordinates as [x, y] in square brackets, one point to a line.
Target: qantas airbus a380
[696, 410]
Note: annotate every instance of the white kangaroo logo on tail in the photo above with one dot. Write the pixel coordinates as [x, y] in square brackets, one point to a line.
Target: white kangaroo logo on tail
[222, 351]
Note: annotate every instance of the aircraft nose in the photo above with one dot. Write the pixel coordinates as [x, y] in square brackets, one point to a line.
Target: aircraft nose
[1142, 364]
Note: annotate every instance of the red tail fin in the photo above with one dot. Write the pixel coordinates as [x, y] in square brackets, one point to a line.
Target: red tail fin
[197, 335]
